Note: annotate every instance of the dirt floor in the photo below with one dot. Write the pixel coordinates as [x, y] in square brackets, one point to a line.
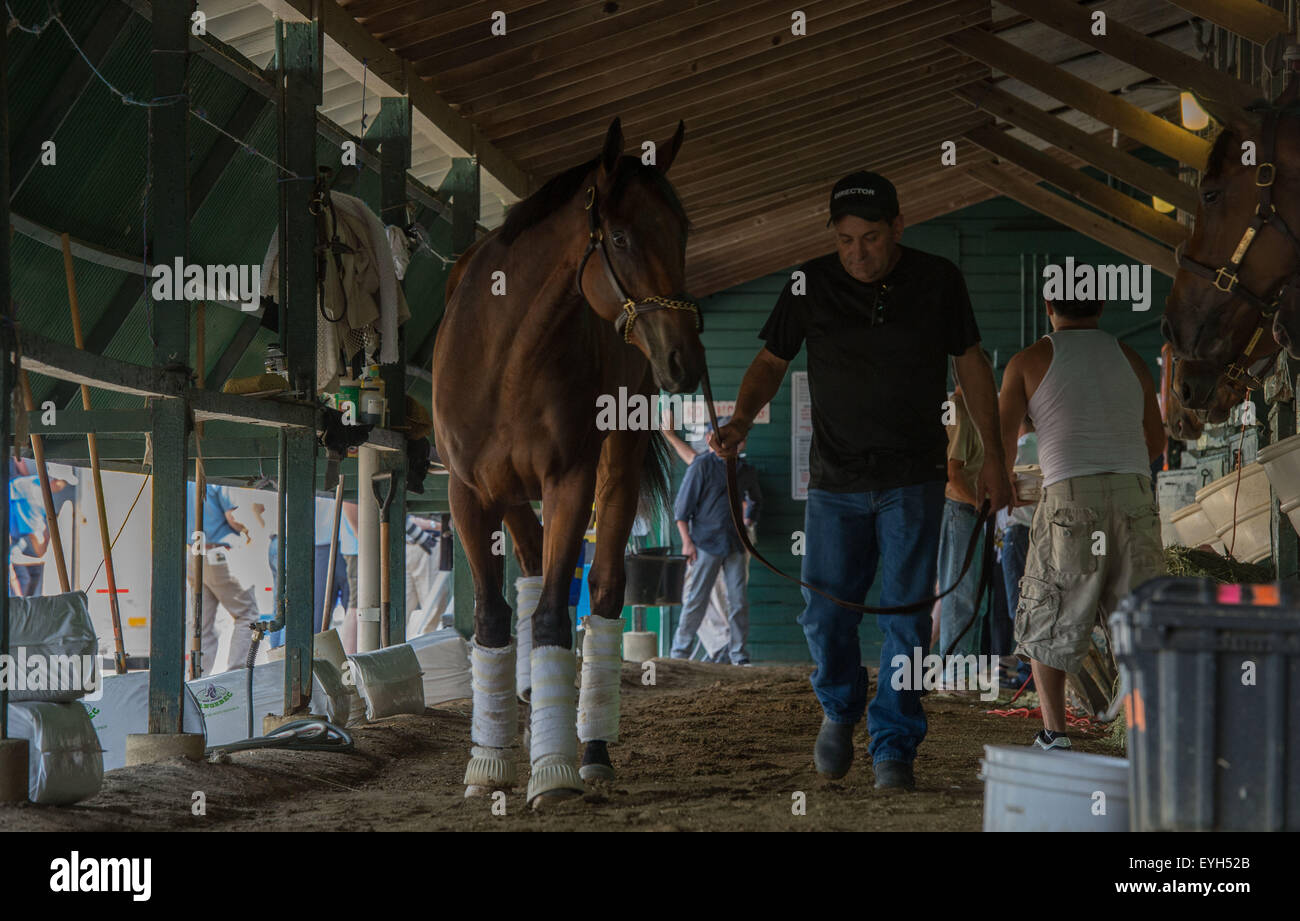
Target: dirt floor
[708, 748]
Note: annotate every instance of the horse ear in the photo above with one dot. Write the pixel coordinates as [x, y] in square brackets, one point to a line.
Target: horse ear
[668, 151]
[613, 149]
[1243, 123]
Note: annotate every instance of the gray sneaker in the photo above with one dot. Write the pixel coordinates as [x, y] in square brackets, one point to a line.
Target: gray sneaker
[894, 775]
[834, 750]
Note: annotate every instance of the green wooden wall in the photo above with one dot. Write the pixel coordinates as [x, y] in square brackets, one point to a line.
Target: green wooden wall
[995, 243]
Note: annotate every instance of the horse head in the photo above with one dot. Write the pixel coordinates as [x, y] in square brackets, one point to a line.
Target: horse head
[633, 268]
[1235, 266]
[1210, 392]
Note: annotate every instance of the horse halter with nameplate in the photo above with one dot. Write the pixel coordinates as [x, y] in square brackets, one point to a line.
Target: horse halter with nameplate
[631, 308]
[1227, 278]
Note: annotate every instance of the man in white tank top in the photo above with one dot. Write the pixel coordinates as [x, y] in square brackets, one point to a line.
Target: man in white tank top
[1096, 533]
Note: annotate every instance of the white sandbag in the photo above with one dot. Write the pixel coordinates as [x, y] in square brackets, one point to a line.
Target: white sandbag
[328, 696]
[444, 659]
[389, 681]
[123, 709]
[223, 698]
[54, 653]
[64, 764]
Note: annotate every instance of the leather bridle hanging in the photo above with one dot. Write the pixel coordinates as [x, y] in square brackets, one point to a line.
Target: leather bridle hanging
[1227, 278]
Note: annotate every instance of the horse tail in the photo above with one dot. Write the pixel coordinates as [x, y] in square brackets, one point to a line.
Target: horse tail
[655, 469]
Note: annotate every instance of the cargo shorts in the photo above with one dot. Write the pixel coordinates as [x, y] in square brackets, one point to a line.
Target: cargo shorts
[1093, 540]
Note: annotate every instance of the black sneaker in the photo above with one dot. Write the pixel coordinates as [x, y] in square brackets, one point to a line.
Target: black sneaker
[833, 753]
[1047, 740]
[894, 775]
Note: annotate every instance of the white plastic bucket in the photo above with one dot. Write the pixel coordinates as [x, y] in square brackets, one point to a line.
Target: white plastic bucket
[1030, 790]
[1217, 499]
[1281, 463]
[1194, 528]
[1254, 539]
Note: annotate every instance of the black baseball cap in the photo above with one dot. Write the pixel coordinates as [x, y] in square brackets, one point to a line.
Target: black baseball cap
[867, 195]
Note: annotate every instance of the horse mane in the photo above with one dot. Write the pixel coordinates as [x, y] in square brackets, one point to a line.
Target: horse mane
[560, 189]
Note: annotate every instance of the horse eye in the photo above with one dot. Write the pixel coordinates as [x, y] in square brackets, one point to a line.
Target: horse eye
[1210, 196]
[618, 238]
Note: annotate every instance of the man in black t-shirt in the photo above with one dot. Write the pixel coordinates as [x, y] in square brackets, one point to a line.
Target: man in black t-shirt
[880, 321]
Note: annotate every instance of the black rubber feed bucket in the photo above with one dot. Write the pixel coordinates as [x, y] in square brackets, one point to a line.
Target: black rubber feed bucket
[655, 576]
[1211, 707]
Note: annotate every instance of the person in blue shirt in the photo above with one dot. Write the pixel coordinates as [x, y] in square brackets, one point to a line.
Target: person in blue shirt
[29, 531]
[710, 543]
[220, 586]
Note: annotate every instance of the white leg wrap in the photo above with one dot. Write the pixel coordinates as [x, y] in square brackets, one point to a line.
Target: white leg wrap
[496, 719]
[602, 670]
[554, 741]
[529, 592]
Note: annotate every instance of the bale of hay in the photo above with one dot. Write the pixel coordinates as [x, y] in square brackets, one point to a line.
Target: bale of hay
[1188, 561]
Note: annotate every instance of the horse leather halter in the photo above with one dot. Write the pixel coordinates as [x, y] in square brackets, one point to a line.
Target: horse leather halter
[1227, 277]
[631, 308]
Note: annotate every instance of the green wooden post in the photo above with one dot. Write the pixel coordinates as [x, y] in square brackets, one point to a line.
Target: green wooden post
[6, 371]
[463, 184]
[301, 67]
[395, 160]
[168, 217]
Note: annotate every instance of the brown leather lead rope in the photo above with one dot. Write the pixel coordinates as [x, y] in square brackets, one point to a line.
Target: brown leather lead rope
[733, 497]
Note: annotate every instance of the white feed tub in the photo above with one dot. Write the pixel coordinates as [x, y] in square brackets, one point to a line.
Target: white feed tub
[1030, 790]
[1194, 528]
[1281, 463]
[1254, 539]
[1217, 498]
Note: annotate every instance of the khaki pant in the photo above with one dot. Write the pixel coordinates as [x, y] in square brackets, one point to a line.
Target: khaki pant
[220, 587]
[1093, 540]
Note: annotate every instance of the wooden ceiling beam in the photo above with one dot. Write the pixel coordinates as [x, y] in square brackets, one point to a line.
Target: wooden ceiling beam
[1247, 18]
[1110, 201]
[741, 111]
[1076, 217]
[1099, 153]
[678, 24]
[1126, 44]
[728, 126]
[831, 160]
[1063, 86]
[746, 74]
[349, 44]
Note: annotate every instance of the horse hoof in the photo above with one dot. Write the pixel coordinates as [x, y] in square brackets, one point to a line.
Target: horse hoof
[489, 769]
[592, 772]
[473, 790]
[544, 801]
[554, 774]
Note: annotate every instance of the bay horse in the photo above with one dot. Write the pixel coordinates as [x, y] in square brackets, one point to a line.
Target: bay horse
[1233, 304]
[575, 296]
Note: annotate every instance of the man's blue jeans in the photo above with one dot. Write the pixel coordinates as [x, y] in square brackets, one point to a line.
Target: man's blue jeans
[847, 536]
[1015, 550]
[961, 605]
[695, 602]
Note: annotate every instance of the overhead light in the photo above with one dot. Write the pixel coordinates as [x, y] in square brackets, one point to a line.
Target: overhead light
[1161, 205]
[1194, 117]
